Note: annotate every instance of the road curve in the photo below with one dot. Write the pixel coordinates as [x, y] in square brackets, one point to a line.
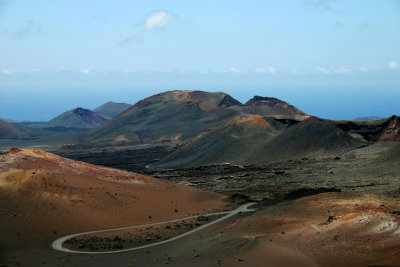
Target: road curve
[57, 244]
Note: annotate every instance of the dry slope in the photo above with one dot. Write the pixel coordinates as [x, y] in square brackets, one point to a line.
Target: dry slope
[44, 196]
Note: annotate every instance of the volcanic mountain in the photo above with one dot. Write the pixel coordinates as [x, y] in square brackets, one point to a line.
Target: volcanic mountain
[259, 140]
[174, 115]
[78, 118]
[182, 115]
[44, 196]
[112, 109]
[273, 141]
[232, 141]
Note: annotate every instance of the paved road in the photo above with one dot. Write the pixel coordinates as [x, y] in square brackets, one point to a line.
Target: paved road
[57, 244]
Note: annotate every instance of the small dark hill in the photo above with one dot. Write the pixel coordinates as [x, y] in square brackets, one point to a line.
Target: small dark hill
[230, 142]
[269, 106]
[112, 109]
[78, 118]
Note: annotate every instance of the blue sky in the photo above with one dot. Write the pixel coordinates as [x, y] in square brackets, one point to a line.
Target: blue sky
[332, 58]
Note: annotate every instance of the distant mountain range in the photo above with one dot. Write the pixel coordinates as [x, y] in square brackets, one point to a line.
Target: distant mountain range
[78, 119]
[210, 128]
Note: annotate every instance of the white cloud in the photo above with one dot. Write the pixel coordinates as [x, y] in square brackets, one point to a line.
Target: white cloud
[158, 20]
[393, 65]
[270, 70]
[233, 69]
[133, 40]
[260, 70]
[343, 70]
[322, 70]
[364, 69]
[337, 70]
[85, 71]
[8, 72]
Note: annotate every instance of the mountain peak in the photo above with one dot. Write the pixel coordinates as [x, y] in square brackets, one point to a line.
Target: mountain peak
[78, 118]
[260, 100]
[112, 109]
[273, 106]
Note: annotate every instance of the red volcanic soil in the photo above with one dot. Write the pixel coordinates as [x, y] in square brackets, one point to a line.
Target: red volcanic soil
[44, 196]
[392, 131]
[329, 229]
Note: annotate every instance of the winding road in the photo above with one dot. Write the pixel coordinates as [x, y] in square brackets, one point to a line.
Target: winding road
[57, 244]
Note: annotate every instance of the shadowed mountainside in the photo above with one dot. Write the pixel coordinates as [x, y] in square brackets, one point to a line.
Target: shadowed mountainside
[281, 140]
[233, 141]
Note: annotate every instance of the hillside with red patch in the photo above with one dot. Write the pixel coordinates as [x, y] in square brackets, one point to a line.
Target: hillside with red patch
[44, 196]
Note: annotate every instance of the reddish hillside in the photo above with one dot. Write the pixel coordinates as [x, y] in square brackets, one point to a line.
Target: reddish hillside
[44, 196]
[374, 131]
[392, 130]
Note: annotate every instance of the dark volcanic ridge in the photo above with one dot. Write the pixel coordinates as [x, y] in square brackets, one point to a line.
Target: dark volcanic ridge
[261, 140]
